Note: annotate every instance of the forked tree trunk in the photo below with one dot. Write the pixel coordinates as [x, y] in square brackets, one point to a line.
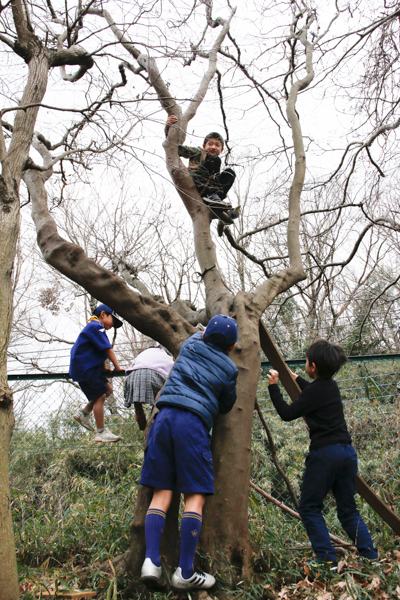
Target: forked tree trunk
[224, 535]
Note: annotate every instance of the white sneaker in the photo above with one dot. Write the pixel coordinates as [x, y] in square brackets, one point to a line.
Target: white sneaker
[107, 436]
[150, 573]
[84, 420]
[198, 580]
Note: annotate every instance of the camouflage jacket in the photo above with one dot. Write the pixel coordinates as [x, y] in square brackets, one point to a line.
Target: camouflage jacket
[196, 156]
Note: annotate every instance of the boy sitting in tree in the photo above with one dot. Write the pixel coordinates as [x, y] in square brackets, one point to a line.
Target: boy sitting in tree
[88, 356]
[202, 383]
[332, 461]
[205, 169]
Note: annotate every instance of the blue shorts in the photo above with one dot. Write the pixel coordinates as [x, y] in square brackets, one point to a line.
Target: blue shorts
[94, 388]
[178, 452]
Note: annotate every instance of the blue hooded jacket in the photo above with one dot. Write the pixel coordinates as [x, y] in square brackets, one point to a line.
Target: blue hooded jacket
[202, 381]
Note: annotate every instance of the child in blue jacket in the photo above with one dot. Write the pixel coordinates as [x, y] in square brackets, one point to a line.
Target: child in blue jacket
[202, 383]
[88, 356]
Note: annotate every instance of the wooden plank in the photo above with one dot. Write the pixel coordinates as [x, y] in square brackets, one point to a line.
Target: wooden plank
[379, 506]
[278, 363]
[295, 514]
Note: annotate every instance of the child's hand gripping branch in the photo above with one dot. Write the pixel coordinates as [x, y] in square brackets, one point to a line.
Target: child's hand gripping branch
[273, 376]
[172, 120]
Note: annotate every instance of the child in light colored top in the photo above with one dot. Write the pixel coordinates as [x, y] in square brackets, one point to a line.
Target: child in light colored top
[88, 356]
[145, 378]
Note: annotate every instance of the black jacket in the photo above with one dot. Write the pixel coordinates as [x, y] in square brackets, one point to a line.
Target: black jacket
[321, 405]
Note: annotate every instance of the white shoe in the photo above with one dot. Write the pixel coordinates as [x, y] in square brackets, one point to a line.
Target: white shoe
[107, 436]
[150, 573]
[84, 420]
[199, 580]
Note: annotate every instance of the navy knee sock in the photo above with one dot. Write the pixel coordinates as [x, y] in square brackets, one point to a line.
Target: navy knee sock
[154, 527]
[190, 531]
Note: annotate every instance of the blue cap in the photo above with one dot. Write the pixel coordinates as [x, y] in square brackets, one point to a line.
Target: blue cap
[116, 319]
[224, 325]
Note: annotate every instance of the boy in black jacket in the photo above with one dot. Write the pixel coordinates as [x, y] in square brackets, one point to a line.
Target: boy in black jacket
[332, 461]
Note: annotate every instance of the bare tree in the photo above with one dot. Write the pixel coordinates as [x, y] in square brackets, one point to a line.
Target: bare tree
[226, 514]
[274, 242]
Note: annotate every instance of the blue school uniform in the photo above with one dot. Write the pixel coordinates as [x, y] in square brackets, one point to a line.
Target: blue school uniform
[87, 359]
[202, 384]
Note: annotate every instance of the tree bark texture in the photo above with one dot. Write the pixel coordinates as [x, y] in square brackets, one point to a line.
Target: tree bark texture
[225, 535]
[156, 320]
[13, 162]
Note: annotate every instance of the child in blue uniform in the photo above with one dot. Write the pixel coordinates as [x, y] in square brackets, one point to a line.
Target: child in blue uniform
[332, 461]
[88, 356]
[202, 383]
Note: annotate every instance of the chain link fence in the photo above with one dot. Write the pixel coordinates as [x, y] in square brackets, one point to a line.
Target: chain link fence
[73, 497]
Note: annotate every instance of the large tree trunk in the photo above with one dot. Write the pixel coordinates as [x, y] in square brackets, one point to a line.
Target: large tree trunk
[225, 524]
[13, 162]
[224, 535]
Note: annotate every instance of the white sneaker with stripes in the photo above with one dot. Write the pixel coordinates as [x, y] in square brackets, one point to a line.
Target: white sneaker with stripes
[107, 436]
[199, 581]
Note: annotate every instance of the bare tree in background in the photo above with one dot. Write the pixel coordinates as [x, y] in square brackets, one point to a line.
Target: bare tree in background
[121, 38]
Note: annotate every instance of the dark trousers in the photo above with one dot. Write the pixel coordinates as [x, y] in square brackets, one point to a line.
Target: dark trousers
[209, 180]
[333, 468]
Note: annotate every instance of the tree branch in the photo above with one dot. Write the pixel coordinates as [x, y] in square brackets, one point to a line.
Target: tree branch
[156, 320]
[209, 74]
[275, 456]
[20, 21]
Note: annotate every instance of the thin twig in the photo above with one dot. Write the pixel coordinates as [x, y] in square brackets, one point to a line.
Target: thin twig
[295, 514]
[275, 456]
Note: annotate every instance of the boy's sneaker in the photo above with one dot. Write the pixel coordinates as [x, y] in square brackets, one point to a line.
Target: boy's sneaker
[198, 581]
[214, 201]
[234, 212]
[107, 436]
[84, 420]
[150, 573]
